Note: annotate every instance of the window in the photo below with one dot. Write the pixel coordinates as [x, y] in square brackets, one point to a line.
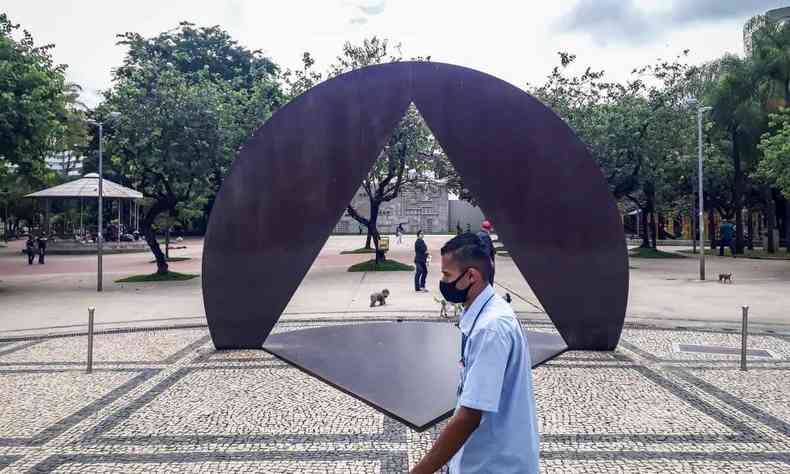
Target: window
[341, 227]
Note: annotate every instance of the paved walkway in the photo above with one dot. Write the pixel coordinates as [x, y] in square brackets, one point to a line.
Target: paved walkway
[166, 401]
[54, 297]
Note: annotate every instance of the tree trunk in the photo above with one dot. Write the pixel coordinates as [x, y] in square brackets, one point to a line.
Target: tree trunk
[787, 224]
[653, 230]
[368, 239]
[167, 244]
[147, 229]
[644, 230]
[373, 231]
[770, 218]
[750, 224]
[693, 232]
[738, 194]
[712, 228]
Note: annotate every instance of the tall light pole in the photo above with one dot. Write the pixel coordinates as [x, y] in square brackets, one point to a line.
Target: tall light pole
[100, 237]
[700, 110]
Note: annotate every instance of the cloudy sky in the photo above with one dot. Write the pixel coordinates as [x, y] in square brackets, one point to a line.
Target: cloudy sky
[514, 40]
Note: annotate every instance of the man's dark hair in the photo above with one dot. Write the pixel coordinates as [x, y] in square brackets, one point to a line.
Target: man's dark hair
[467, 250]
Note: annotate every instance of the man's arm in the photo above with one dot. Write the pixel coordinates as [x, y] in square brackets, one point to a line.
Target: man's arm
[463, 423]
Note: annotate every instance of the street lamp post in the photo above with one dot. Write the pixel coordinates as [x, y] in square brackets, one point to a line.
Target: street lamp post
[100, 236]
[701, 219]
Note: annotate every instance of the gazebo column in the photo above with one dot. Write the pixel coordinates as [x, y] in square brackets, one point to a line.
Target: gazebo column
[46, 216]
[120, 218]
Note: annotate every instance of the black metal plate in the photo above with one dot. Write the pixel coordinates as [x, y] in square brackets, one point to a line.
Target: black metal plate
[722, 350]
[408, 371]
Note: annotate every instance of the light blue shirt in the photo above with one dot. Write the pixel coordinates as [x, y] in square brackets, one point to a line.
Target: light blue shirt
[497, 380]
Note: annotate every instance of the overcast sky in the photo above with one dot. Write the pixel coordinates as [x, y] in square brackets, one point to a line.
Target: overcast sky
[514, 40]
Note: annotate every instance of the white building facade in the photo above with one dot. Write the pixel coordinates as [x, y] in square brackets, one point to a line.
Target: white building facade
[419, 206]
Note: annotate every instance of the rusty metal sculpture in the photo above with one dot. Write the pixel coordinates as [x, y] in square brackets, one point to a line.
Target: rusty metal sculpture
[534, 178]
[294, 178]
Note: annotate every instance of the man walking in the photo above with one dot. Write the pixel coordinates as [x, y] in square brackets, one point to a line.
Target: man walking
[42, 248]
[727, 233]
[420, 262]
[488, 246]
[494, 427]
[30, 249]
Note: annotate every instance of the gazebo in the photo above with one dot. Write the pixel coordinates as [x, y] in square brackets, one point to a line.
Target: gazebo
[87, 187]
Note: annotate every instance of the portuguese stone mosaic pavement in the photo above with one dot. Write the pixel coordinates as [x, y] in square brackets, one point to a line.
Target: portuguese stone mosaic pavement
[165, 401]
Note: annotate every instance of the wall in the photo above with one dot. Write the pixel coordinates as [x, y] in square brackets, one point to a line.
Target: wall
[468, 216]
[418, 206]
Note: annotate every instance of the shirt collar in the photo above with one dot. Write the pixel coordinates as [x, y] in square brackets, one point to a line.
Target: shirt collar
[469, 314]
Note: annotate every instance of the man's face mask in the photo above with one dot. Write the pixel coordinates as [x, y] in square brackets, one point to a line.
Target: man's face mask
[451, 293]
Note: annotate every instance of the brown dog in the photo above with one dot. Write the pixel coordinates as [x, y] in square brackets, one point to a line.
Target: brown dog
[725, 277]
[381, 298]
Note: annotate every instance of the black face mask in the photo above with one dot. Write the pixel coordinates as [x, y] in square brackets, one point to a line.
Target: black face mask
[453, 294]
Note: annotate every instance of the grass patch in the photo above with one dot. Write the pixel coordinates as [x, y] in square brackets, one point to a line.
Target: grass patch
[640, 252]
[174, 259]
[780, 254]
[169, 276]
[384, 266]
[358, 251]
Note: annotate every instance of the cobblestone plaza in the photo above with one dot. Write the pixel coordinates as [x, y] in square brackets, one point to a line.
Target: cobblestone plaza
[166, 401]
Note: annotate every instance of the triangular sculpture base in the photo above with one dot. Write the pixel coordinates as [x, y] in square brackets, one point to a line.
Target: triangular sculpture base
[406, 370]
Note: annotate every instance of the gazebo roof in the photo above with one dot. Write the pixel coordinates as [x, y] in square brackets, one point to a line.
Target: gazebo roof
[88, 187]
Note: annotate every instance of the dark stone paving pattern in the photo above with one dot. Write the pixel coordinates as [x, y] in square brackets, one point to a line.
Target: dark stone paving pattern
[153, 405]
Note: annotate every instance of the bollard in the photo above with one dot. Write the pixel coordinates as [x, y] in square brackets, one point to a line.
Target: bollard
[90, 340]
[744, 332]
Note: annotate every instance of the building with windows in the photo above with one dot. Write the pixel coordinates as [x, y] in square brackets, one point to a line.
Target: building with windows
[423, 205]
[67, 163]
[778, 15]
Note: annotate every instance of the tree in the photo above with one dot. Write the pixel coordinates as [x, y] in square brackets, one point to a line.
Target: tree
[638, 131]
[734, 94]
[772, 61]
[774, 168]
[188, 99]
[410, 154]
[32, 103]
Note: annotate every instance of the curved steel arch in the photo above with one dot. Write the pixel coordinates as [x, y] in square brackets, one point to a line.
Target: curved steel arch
[300, 170]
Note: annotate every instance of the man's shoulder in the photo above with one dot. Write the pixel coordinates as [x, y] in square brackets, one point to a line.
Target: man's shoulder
[499, 316]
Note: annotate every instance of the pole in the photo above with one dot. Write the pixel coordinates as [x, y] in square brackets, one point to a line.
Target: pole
[5, 220]
[744, 333]
[701, 208]
[89, 369]
[100, 241]
[120, 222]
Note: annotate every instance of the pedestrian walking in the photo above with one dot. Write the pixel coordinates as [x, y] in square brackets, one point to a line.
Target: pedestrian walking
[420, 262]
[399, 233]
[488, 245]
[42, 248]
[30, 249]
[494, 427]
[727, 233]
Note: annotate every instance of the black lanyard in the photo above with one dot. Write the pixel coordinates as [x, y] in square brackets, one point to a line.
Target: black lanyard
[464, 337]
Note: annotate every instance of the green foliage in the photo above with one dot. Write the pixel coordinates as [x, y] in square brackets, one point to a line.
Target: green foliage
[641, 252]
[168, 276]
[382, 266]
[775, 146]
[639, 132]
[357, 251]
[33, 112]
[188, 99]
